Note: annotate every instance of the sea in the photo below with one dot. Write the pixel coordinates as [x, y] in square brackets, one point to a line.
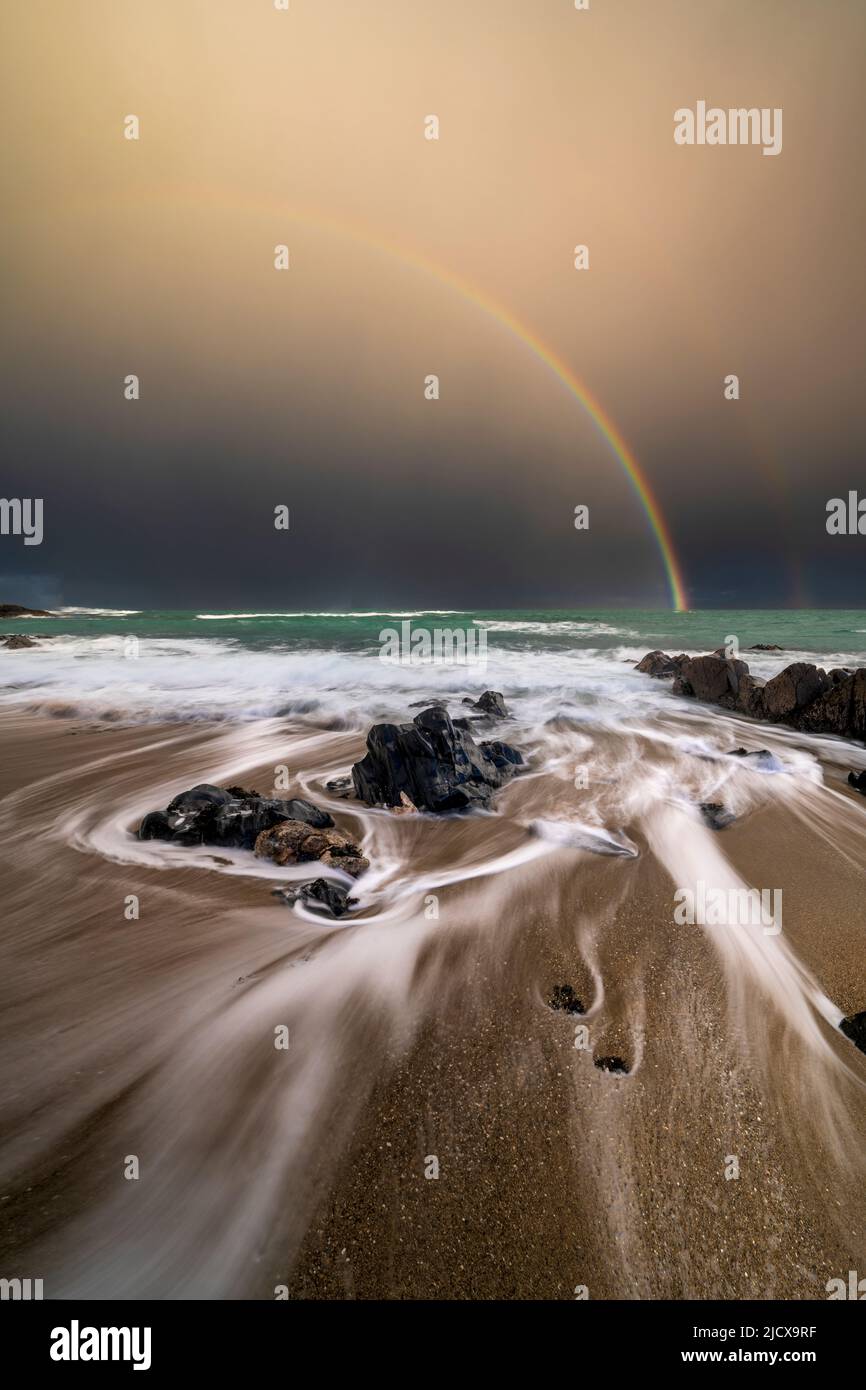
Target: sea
[165, 665]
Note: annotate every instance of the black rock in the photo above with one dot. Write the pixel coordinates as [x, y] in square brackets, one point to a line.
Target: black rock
[565, 999]
[209, 815]
[715, 815]
[858, 781]
[199, 798]
[156, 826]
[438, 766]
[241, 793]
[492, 702]
[854, 1027]
[613, 1064]
[238, 824]
[340, 786]
[323, 896]
[765, 647]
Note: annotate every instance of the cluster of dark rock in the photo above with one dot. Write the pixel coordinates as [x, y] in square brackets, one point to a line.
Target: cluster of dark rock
[15, 641]
[291, 831]
[803, 696]
[231, 817]
[433, 764]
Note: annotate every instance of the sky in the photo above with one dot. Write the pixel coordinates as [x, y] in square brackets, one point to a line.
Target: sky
[410, 257]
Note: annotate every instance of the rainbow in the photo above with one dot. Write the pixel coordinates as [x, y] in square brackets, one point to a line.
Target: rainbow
[578, 389]
[607, 429]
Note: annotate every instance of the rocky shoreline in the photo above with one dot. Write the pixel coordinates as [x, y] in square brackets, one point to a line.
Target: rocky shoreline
[803, 696]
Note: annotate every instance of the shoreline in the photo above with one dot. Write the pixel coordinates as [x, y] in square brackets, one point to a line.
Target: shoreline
[425, 1038]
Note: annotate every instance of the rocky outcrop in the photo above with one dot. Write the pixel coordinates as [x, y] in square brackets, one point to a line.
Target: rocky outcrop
[209, 815]
[750, 696]
[841, 709]
[433, 763]
[660, 665]
[793, 689]
[293, 842]
[492, 702]
[16, 641]
[803, 696]
[713, 679]
[14, 610]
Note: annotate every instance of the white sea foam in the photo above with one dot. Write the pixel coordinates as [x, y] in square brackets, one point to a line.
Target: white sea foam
[99, 612]
[370, 613]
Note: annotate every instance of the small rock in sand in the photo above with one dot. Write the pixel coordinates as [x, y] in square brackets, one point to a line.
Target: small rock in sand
[293, 842]
[612, 1064]
[854, 1027]
[320, 894]
[564, 999]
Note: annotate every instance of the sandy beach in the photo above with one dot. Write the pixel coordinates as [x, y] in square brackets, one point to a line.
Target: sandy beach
[308, 1169]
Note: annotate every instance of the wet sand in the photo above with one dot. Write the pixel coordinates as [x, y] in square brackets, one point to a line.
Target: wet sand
[415, 1038]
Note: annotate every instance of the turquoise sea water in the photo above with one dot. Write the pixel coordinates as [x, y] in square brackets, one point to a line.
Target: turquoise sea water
[329, 668]
[808, 630]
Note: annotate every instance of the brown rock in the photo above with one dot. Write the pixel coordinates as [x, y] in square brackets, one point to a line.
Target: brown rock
[711, 679]
[750, 696]
[794, 688]
[16, 641]
[840, 710]
[655, 663]
[293, 842]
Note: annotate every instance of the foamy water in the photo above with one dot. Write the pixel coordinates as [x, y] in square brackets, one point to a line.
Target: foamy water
[580, 855]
